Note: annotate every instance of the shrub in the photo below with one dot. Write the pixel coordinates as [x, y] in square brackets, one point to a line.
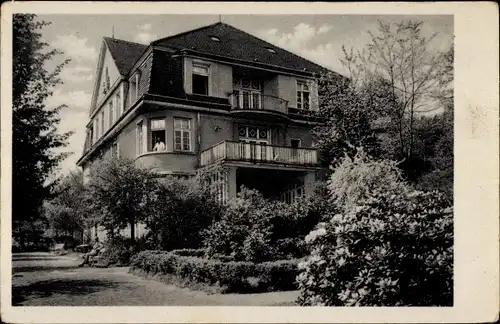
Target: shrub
[181, 211]
[232, 276]
[256, 229]
[355, 178]
[189, 252]
[119, 250]
[394, 248]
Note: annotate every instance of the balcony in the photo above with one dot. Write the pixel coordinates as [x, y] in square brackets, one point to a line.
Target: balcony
[254, 104]
[259, 153]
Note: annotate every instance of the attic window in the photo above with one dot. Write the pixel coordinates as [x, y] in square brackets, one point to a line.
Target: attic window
[215, 38]
[271, 50]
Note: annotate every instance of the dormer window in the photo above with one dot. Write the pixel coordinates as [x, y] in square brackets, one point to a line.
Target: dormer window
[134, 88]
[200, 79]
[215, 38]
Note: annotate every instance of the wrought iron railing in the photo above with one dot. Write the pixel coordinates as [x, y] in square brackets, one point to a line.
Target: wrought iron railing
[242, 151]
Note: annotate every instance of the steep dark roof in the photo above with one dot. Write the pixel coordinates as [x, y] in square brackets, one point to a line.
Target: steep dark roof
[237, 44]
[124, 53]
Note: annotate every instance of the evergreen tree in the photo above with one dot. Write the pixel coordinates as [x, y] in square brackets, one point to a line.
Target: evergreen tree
[34, 124]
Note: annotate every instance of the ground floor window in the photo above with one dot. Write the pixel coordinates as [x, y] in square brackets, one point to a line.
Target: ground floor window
[293, 192]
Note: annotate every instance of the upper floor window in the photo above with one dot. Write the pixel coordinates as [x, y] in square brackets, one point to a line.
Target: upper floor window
[158, 134]
[103, 124]
[247, 93]
[140, 138]
[200, 79]
[133, 88]
[111, 113]
[303, 95]
[94, 131]
[182, 134]
[119, 106]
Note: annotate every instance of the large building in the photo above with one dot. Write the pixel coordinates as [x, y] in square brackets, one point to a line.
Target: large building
[214, 98]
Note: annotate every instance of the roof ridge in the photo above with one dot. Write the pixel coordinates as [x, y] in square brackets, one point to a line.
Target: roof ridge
[123, 41]
[186, 32]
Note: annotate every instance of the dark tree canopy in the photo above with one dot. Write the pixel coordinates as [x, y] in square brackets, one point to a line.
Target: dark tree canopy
[34, 124]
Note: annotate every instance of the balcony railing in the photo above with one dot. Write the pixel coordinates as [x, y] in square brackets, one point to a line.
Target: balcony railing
[242, 151]
[249, 100]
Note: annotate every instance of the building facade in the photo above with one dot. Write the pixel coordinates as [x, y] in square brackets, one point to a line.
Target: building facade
[214, 99]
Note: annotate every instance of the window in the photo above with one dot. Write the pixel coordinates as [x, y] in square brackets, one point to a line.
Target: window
[158, 134]
[94, 131]
[200, 79]
[303, 95]
[182, 134]
[259, 137]
[119, 106]
[293, 192]
[140, 138]
[295, 143]
[133, 88]
[111, 114]
[247, 93]
[114, 150]
[103, 125]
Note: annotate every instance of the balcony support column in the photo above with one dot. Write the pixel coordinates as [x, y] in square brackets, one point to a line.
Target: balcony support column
[309, 180]
[231, 182]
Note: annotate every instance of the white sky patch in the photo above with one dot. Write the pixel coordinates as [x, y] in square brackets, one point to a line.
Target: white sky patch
[298, 41]
[324, 29]
[144, 35]
[76, 74]
[76, 100]
[75, 47]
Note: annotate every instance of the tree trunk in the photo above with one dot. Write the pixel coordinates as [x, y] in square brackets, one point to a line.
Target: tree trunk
[132, 229]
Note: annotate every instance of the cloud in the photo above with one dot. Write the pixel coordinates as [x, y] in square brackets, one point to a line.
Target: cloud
[144, 35]
[75, 47]
[324, 29]
[76, 100]
[76, 74]
[300, 41]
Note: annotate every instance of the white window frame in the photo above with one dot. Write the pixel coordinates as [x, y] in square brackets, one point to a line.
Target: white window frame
[299, 85]
[103, 122]
[140, 137]
[133, 88]
[240, 88]
[118, 104]
[257, 140]
[111, 113]
[183, 130]
[203, 66]
[151, 130]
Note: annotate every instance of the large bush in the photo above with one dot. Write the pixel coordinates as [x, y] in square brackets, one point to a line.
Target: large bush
[229, 276]
[182, 209]
[390, 246]
[255, 229]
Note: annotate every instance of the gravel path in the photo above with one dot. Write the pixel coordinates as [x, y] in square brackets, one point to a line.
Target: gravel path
[41, 279]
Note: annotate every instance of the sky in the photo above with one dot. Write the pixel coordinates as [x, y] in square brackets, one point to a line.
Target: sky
[318, 38]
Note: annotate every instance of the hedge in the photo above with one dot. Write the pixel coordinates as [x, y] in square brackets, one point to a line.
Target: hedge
[231, 276]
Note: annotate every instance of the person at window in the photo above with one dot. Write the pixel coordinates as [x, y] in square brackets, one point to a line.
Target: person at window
[98, 246]
[159, 146]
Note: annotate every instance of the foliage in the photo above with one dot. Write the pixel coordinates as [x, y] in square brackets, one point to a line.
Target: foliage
[120, 250]
[346, 112]
[181, 210]
[354, 179]
[406, 79]
[382, 244]
[68, 211]
[252, 228]
[230, 276]
[122, 194]
[34, 124]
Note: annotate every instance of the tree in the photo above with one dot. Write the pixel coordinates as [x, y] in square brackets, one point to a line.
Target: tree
[403, 59]
[346, 111]
[122, 193]
[68, 211]
[34, 124]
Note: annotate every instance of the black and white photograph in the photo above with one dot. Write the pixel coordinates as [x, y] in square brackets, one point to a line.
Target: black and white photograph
[239, 159]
